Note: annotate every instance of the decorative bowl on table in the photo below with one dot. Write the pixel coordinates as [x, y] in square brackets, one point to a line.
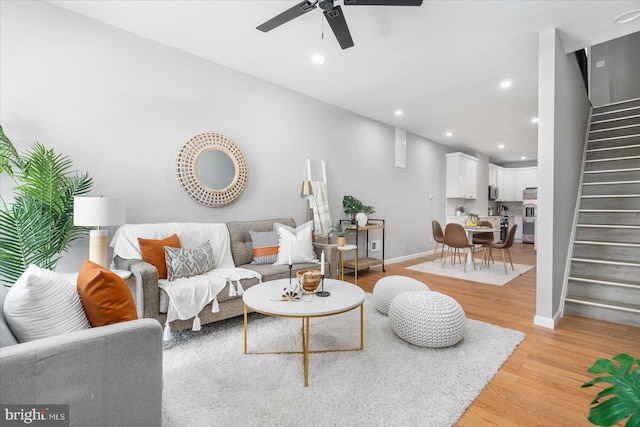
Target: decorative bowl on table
[309, 280]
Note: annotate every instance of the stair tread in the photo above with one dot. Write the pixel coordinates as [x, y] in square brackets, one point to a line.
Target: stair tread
[627, 283]
[607, 243]
[611, 138]
[608, 303]
[630, 227]
[615, 119]
[597, 260]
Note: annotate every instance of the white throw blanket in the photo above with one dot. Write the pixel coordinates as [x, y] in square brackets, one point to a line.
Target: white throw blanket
[188, 296]
[321, 213]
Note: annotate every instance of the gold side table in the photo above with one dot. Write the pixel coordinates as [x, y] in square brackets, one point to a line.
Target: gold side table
[341, 251]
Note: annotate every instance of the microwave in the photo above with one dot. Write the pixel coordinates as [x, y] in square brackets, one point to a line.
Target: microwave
[493, 192]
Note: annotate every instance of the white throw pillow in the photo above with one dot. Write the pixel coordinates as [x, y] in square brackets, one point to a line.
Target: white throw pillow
[43, 304]
[300, 244]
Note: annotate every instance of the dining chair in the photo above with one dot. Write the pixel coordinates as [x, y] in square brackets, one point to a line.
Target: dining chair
[438, 236]
[484, 238]
[504, 247]
[456, 238]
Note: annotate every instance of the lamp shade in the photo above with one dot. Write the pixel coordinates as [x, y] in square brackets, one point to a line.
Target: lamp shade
[98, 211]
[306, 192]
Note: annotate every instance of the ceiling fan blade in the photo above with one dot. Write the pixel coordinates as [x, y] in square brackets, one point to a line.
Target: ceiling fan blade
[286, 16]
[338, 25]
[383, 2]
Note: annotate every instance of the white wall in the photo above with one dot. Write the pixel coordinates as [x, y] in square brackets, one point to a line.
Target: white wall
[619, 79]
[563, 111]
[121, 106]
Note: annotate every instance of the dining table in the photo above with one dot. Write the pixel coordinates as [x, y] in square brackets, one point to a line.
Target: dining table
[471, 230]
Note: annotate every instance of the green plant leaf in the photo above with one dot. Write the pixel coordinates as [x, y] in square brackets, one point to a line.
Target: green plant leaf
[623, 397]
[37, 227]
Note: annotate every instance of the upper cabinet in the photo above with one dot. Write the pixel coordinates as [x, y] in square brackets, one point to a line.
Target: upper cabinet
[462, 176]
[511, 181]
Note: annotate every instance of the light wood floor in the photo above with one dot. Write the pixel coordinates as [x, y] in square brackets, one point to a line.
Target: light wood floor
[539, 385]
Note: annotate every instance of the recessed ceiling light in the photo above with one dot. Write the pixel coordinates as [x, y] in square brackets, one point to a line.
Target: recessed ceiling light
[627, 17]
[398, 112]
[505, 84]
[523, 158]
[449, 134]
[501, 146]
[535, 120]
[318, 58]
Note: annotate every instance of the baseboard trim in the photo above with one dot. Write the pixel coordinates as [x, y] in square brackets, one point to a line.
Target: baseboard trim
[407, 257]
[547, 322]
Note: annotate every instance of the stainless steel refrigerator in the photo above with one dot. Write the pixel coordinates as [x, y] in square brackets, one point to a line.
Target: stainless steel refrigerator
[529, 214]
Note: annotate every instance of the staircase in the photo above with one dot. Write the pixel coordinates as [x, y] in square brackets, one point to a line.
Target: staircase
[604, 277]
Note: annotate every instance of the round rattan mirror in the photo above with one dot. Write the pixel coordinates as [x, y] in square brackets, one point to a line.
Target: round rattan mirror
[212, 169]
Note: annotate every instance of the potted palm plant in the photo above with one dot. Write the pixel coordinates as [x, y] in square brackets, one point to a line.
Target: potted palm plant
[36, 227]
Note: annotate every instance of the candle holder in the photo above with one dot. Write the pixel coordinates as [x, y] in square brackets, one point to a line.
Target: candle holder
[322, 292]
[290, 268]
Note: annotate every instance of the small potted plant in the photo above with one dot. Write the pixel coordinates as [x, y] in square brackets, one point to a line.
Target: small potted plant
[459, 211]
[339, 230]
[356, 210]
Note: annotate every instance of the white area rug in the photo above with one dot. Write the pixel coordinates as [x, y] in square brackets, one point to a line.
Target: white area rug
[209, 381]
[493, 275]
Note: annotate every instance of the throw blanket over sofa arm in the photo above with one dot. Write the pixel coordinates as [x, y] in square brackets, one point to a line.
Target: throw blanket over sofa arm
[109, 375]
[143, 285]
[331, 257]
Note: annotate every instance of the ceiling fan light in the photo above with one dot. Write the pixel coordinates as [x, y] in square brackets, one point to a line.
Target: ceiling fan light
[627, 17]
[318, 59]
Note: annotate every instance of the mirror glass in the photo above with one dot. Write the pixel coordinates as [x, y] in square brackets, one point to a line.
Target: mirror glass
[212, 169]
[215, 169]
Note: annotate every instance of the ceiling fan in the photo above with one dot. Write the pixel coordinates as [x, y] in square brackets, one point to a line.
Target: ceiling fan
[333, 14]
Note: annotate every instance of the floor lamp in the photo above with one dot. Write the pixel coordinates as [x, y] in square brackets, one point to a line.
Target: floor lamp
[98, 212]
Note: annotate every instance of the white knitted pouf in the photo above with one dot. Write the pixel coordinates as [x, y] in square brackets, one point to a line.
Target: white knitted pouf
[386, 289]
[427, 319]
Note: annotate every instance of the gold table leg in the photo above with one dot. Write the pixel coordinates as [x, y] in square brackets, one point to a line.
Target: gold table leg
[245, 329]
[305, 342]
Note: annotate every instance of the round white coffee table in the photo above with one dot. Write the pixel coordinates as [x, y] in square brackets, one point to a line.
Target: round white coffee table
[266, 298]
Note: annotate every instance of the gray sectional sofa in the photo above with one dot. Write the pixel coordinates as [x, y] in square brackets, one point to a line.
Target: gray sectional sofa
[152, 302]
[109, 375]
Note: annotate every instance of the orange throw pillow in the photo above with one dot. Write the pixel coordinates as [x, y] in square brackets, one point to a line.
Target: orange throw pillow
[152, 251]
[105, 296]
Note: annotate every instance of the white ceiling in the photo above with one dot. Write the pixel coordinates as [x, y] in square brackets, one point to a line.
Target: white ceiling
[440, 63]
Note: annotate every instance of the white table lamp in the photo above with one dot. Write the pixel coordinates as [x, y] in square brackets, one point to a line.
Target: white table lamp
[98, 212]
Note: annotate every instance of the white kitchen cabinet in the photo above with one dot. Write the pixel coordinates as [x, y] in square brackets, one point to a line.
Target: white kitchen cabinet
[525, 178]
[520, 184]
[462, 176]
[493, 174]
[508, 190]
[511, 181]
[531, 178]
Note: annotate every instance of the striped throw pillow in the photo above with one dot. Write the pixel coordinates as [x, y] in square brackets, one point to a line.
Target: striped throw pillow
[265, 246]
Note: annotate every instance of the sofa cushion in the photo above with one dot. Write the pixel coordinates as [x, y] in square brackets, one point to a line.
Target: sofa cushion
[265, 246]
[183, 262]
[43, 304]
[6, 336]
[152, 251]
[241, 246]
[295, 246]
[105, 296]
